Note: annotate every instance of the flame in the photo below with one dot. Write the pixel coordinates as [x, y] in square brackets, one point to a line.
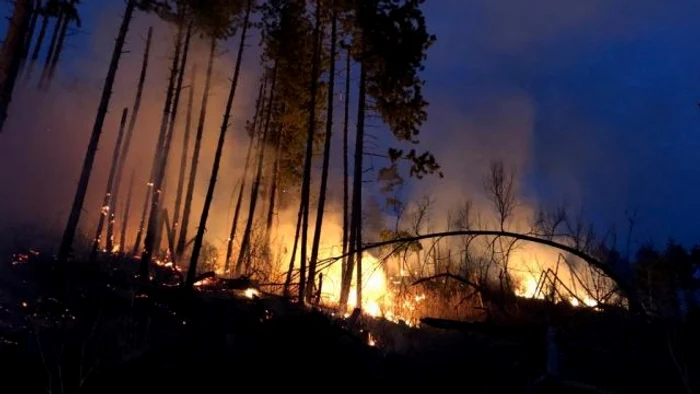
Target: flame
[251, 293]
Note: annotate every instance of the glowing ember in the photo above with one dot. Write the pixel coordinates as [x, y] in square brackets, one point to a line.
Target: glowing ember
[370, 340]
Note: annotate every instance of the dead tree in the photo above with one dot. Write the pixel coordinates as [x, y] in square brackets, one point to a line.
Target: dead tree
[183, 158]
[306, 182]
[244, 253]
[260, 103]
[182, 239]
[72, 224]
[154, 224]
[104, 210]
[127, 140]
[326, 163]
[12, 53]
[127, 209]
[199, 239]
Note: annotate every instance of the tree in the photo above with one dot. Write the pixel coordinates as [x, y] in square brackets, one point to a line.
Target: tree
[74, 217]
[326, 159]
[259, 105]
[127, 144]
[106, 203]
[158, 169]
[183, 158]
[192, 271]
[390, 42]
[215, 19]
[12, 53]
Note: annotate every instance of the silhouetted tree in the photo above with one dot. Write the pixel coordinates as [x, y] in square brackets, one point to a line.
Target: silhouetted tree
[12, 53]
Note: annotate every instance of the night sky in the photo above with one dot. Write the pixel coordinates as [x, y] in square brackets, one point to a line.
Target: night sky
[595, 102]
[611, 90]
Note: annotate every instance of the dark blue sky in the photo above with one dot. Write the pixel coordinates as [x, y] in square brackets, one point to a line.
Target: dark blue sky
[611, 88]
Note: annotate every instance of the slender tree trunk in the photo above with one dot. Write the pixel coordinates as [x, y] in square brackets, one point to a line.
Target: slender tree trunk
[183, 158]
[306, 183]
[72, 224]
[125, 218]
[52, 46]
[104, 210]
[346, 123]
[57, 53]
[12, 53]
[244, 253]
[260, 104]
[199, 239]
[165, 159]
[356, 216]
[182, 239]
[288, 279]
[30, 31]
[273, 191]
[326, 163]
[127, 142]
[37, 46]
[159, 166]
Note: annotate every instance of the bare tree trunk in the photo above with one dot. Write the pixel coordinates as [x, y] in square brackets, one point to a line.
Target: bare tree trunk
[57, 53]
[30, 31]
[12, 53]
[127, 141]
[37, 46]
[356, 216]
[326, 163]
[183, 158]
[158, 165]
[165, 159]
[260, 104]
[346, 185]
[273, 191]
[52, 46]
[182, 239]
[306, 182]
[199, 239]
[288, 279]
[244, 253]
[104, 210]
[125, 219]
[72, 224]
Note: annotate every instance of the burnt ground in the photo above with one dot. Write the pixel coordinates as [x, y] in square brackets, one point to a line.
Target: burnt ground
[91, 328]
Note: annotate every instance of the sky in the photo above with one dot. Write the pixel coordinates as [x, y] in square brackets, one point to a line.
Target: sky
[598, 97]
[593, 103]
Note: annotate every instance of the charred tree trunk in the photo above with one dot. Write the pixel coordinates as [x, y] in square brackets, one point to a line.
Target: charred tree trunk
[346, 185]
[71, 226]
[57, 53]
[183, 158]
[199, 239]
[182, 239]
[12, 53]
[127, 141]
[175, 106]
[244, 253]
[288, 279]
[158, 166]
[273, 191]
[30, 31]
[125, 218]
[52, 46]
[104, 210]
[326, 164]
[260, 104]
[306, 183]
[37, 46]
[356, 216]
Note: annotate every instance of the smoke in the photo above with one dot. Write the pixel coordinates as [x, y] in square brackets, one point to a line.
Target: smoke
[44, 143]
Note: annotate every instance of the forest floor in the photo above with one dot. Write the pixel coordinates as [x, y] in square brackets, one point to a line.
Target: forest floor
[91, 328]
